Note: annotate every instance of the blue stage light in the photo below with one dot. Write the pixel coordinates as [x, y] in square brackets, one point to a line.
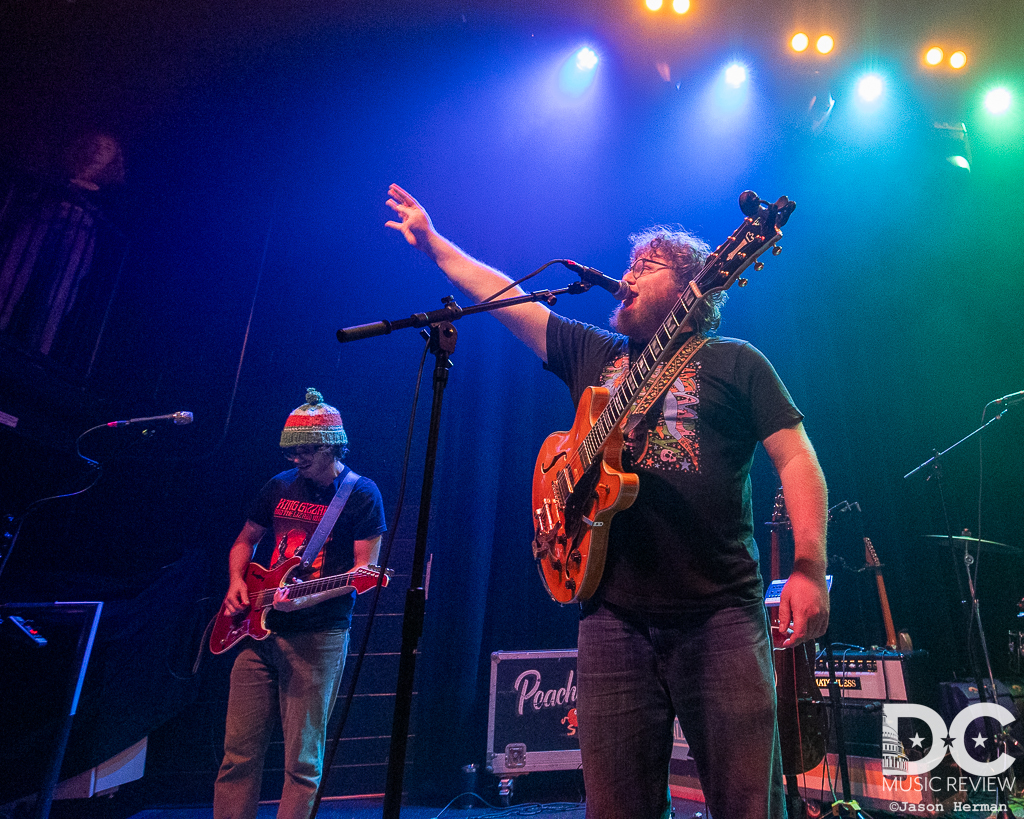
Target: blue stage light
[735, 75]
[578, 71]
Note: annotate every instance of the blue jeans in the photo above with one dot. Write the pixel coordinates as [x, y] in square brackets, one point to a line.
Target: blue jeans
[714, 671]
[296, 677]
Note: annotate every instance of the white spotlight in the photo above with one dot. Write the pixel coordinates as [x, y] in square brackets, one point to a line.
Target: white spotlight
[870, 87]
[586, 59]
[735, 75]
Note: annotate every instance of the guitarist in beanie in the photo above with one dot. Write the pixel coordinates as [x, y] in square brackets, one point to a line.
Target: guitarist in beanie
[676, 624]
[294, 673]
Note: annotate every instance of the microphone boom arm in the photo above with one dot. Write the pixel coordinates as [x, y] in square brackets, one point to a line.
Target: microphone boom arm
[452, 312]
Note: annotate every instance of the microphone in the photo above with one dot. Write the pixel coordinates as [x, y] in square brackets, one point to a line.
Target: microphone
[176, 417]
[1011, 399]
[619, 289]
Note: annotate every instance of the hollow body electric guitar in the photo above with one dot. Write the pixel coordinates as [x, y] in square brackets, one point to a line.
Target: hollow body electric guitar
[263, 584]
[579, 483]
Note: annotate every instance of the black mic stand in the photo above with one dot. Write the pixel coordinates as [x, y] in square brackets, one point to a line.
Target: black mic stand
[442, 341]
[935, 464]
[847, 806]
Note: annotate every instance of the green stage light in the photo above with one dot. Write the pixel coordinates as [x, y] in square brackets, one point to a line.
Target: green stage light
[998, 101]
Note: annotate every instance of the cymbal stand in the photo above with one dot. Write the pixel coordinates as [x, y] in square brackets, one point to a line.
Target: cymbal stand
[985, 687]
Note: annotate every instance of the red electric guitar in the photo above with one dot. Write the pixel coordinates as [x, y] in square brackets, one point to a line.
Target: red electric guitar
[264, 583]
[578, 482]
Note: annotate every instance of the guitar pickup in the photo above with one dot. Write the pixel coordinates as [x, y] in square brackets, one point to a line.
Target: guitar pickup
[547, 521]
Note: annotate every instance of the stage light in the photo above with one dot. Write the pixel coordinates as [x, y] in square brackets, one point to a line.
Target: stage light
[997, 101]
[933, 56]
[730, 92]
[680, 6]
[958, 59]
[825, 44]
[577, 72]
[586, 59]
[654, 5]
[735, 75]
[800, 42]
[870, 87]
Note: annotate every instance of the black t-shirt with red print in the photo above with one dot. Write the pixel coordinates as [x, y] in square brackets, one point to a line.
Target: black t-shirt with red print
[290, 507]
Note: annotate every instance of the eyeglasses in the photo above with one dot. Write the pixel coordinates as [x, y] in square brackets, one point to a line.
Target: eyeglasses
[645, 265]
[296, 452]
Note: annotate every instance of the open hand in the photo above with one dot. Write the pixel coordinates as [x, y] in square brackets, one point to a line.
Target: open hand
[413, 224]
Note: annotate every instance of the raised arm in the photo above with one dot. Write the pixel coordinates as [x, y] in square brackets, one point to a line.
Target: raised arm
[479, 281]
[805, 603]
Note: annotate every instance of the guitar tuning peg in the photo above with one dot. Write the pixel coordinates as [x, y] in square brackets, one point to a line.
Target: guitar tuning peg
[758, 266]
[776, 250]
[742, 282]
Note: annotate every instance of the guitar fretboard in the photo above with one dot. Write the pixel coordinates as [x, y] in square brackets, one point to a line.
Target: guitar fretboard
[266, 596]
[618, 407]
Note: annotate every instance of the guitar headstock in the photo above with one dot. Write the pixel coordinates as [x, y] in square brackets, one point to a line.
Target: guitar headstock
[780, 517]
[365, 577]
[759, 231]
[870, 555]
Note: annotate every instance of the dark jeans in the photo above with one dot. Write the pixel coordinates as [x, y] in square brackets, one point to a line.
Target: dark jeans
[714, 671]
[294, 677]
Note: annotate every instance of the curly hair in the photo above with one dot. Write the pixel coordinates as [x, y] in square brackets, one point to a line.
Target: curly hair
[687, 254]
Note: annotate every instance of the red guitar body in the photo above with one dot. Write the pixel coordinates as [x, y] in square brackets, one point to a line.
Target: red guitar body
[229, 629]
[573, 507]
[262, 584]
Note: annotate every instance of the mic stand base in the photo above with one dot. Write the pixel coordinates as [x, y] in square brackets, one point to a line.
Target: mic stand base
[850, 808]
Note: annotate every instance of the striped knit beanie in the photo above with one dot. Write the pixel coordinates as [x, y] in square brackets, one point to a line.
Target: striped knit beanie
[313, 423]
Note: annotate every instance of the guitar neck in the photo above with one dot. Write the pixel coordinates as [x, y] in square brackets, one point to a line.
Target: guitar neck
[883, 598]
[639, 371]
[320, 585]
[890, 630]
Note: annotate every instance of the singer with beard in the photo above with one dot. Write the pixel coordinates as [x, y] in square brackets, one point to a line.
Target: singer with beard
[677, 627]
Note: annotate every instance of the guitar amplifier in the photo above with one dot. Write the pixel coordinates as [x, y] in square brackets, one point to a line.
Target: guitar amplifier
[866, 680]
[866, 675]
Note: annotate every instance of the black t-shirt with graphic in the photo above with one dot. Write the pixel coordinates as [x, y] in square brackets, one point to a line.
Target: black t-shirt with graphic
[687, 542]
[291, 507]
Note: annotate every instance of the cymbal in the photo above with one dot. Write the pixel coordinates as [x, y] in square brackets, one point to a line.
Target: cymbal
[960, 539]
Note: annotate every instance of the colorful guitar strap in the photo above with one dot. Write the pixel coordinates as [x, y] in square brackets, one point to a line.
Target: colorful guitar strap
[661, 379]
